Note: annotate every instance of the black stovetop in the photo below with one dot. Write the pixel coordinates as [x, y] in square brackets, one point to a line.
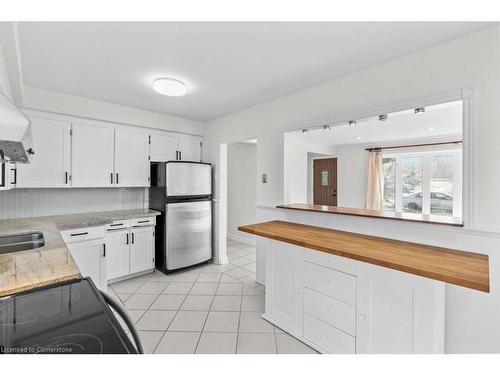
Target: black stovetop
[69, 318]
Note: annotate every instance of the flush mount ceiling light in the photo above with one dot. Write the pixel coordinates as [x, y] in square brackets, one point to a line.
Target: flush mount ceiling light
[169, 87]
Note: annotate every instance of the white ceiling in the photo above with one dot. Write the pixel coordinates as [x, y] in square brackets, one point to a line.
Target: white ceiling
[227, 66]
[439, 122]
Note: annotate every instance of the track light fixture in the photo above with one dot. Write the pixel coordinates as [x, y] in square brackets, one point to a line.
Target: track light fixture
[305, 131]
[352, 123]
[382, 117]
[326, 127]
[420, 110]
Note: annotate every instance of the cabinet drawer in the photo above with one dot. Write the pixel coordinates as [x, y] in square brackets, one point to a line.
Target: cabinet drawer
[118, 224]
[330, 261]
[328, 338]
[82, 234]
[329, 310]
[143, 221]
[339, 285]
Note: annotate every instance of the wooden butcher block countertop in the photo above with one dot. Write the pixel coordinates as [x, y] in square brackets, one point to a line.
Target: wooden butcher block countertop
[470, 270]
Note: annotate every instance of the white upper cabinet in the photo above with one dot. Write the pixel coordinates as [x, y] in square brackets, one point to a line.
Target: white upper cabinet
[175, 147]
[71, 152]
[131, 159]
[92, 156]
[50, 166]
[189, 148]
[163, 147]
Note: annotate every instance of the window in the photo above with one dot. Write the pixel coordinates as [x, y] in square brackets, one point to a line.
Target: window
[428, 182]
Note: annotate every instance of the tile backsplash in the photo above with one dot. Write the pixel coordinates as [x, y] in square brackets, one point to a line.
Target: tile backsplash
[18, 203]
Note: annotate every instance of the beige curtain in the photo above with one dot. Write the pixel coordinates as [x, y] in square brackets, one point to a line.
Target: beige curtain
[374, 187]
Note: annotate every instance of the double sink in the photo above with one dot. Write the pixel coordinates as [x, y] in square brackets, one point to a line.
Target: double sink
[21, 242]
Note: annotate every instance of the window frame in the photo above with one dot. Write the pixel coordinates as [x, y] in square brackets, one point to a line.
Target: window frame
[427, 156]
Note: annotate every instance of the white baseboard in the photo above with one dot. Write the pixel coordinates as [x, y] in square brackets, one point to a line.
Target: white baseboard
[237, 237]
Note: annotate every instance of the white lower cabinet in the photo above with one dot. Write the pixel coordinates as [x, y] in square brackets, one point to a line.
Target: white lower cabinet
[284, 286]
[399, 312]
[130, 247]
[141, 249]
[90, 259]
[339, 305]
[113, 252]
[118, 253]
[328, 338]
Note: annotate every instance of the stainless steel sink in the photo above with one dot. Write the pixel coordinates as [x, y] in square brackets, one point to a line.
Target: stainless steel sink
[21, 242]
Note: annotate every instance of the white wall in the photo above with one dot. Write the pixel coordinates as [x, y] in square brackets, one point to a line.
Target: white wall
[241, 189]
[352, 165]
[9, 43]
[52, 101]
[473, 323]
[296, 173]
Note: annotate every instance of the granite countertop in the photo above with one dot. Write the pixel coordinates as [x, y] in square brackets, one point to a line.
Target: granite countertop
[51, 263]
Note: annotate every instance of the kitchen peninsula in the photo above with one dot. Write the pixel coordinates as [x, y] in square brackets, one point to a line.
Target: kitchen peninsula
[342, 292]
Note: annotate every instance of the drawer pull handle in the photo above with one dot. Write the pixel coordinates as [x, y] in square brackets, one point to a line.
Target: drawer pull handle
[115, 225]
[79, 234]
[143, 221]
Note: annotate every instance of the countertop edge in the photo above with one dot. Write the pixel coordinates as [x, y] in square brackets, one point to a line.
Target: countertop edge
[463, 282]
[372, 216]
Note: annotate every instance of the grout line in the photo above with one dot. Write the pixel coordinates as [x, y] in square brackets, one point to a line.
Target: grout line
[208, 313]
[239, 321]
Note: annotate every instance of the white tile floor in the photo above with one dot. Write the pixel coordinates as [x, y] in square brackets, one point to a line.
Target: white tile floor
[209, 309]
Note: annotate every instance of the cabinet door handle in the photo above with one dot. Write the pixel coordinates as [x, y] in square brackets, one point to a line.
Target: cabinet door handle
[79, 234]
[143, 221]
[180, 155]
[104, 250]
[66, 177]
[117, 178]
[127, 240]
[176, 155]
[111, 177]
[133, 239]
[15, 176]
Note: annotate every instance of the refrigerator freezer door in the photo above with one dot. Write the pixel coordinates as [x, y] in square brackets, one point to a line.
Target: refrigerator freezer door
[189, 233]
[188, 179]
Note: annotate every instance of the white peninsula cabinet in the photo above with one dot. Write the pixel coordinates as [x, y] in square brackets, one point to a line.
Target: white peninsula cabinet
[51, 164]
[339, 305]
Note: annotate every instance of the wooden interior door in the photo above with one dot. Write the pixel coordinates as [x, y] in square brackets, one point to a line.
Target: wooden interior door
[325, 182]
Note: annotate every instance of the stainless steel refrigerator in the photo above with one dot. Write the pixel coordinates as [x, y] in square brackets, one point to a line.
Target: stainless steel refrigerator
[182, 192]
